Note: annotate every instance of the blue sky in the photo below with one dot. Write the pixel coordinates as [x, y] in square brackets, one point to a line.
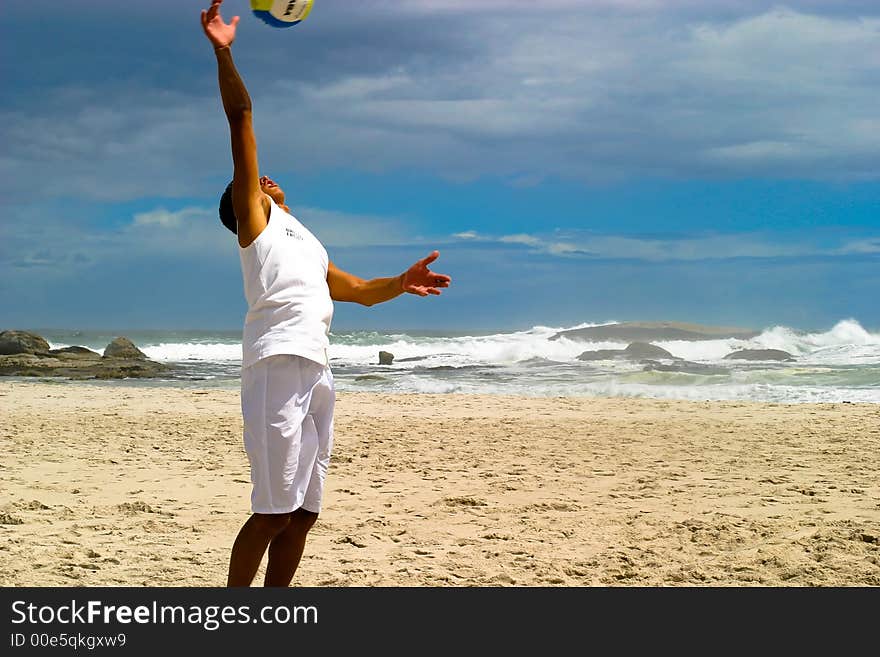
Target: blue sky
[572, 160]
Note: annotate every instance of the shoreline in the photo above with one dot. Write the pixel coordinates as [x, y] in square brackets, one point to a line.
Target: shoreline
[130, 486]
[232, 387]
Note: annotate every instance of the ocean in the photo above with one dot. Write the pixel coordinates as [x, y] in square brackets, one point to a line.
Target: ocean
[841, 364]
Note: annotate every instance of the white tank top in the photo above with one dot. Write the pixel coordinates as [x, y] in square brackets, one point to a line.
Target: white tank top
[285, 284]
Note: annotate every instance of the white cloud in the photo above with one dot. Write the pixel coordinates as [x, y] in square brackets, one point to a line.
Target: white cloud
[528, 240]
[867, 246]
[591, 91]
[355, 87]
[61, 247]
[543, 244]
[164, 219]
[721, 246]
[782, 94]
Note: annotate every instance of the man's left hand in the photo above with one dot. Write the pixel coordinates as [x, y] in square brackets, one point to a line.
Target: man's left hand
[420, 280]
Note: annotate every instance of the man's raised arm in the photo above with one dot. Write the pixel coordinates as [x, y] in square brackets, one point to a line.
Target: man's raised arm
[248, 201]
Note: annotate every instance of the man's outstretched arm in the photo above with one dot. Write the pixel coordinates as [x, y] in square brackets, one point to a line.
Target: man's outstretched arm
[418, 279]
[248, 201]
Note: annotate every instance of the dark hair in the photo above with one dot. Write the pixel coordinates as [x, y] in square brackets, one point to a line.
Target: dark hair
[227, 214]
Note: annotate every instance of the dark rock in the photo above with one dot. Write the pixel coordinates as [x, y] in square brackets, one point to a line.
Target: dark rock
[75, 352]
[370, 377]
[638, 350]
[413, 359]
[635, 351]
[760, 354]
[22, 342]
[386, 358]
[653, 331]
[601, 354]
[123, 348]
[79, 363]
[131, 369]
[685, 367]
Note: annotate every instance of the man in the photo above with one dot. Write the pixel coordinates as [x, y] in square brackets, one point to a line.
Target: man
[287, 393]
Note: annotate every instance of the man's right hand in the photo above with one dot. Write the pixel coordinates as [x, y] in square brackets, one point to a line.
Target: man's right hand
[220, 34]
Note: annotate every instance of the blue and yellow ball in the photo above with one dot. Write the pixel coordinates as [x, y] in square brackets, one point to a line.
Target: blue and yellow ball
[282, 13]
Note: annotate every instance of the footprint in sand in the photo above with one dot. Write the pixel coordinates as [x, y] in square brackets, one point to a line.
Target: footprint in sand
[9, 519]
[462, 501]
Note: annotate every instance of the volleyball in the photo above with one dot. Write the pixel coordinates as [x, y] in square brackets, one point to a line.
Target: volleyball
[282, 13]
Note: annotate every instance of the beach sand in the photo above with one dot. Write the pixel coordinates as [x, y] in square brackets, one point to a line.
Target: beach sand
[112, 485]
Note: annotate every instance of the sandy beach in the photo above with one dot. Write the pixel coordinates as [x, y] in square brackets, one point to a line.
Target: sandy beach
[115, 485]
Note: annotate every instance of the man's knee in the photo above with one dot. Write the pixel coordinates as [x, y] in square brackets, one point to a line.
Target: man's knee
[271, 523]
[306, 519]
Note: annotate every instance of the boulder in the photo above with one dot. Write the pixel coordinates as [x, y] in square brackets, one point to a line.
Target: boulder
[80, 366]
[386, 358]
[685, 367]
[411, 359]
[760, 354]
[121, 360]
[634, 351]
[123, 348]
[638, 350]
[601, 354]
[654, 331]
[67, 353]
[22, 342]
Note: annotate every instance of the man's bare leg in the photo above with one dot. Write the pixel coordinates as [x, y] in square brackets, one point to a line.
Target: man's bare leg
[286, 549]
[250, 545]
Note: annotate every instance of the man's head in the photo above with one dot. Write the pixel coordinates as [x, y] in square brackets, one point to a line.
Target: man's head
[272, 190]
[227, 213]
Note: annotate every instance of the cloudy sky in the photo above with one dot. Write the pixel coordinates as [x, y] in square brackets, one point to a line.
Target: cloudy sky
[572, 160]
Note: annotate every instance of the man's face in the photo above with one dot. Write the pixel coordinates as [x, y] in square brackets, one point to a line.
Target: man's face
[273, 190]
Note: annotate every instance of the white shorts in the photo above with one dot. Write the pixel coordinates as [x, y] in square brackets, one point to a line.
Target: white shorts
[287, 405]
